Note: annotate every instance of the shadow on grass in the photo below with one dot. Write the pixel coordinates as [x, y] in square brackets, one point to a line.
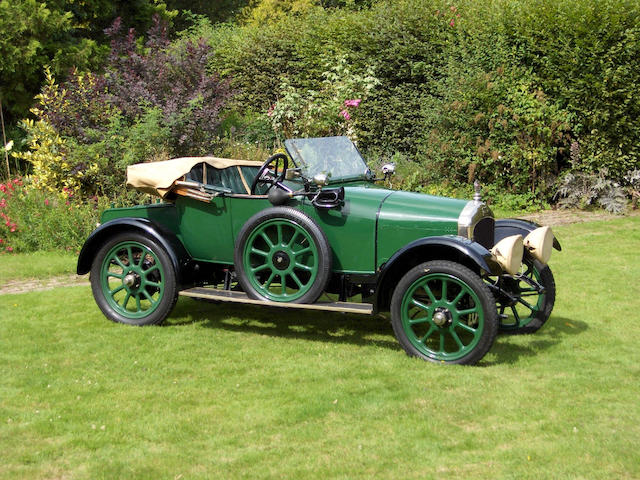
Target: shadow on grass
[349, 328]
[509, 348]
[287, 323]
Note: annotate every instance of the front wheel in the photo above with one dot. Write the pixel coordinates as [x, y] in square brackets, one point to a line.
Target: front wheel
[443, 312]
[133, 280]
[530, 296]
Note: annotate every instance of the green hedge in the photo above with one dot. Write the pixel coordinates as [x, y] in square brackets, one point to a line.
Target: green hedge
[496, 90]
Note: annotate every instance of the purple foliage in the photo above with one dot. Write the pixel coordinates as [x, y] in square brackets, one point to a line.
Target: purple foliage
[174, 80]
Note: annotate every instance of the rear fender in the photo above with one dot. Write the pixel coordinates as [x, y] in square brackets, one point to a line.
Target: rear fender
[167, 239]
[457, 249]
[514, 226]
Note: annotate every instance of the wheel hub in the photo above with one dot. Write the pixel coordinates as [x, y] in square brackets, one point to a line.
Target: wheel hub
[131, 280]
[442, 317]
[281, 260]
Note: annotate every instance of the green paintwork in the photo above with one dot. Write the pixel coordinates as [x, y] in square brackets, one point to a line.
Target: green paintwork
[453, 298]
[351, 229]
[405, 217]
[137, 260]
[280, 254]
[209, 230]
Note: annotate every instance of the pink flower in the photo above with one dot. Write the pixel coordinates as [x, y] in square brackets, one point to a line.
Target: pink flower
[345, 114]
[7, 223]
[12, 229]
[452, 22]
[9, 249]
[46, 202]
[3, 203]
[1, 241]
[352, 103]
[270, 111]
[3, 188]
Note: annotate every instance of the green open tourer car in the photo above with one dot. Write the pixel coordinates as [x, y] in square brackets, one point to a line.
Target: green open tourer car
[312, 228]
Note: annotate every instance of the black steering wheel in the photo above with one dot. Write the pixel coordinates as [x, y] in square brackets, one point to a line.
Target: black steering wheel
[272, 179]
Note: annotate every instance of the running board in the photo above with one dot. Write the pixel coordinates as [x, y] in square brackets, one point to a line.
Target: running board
[241, 297]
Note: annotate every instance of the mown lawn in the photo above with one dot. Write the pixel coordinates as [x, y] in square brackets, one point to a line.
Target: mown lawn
[237, 391]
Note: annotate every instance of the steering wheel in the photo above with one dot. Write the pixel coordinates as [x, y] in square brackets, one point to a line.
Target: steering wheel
[272, 179]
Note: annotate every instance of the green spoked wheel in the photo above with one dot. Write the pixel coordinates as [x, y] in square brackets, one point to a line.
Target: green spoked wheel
[442, 312]
[283, 256]
[532, 294]
[133, 280]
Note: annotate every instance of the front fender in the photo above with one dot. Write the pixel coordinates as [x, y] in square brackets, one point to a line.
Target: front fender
[447, 247]
[167, 239]
[514, 226]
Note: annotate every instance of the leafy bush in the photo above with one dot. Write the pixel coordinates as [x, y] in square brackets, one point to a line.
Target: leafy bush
[149, 104]
[34, 220]
[582, 190]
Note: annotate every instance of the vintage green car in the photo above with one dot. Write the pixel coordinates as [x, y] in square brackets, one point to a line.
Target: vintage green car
[312, 228]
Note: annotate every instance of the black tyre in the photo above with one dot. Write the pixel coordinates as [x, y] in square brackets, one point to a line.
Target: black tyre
[133, 280]
[443, 312]
[282, 255]
[534, 291]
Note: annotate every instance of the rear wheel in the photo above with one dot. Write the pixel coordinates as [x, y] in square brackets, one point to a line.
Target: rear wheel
[133, 280]
[443, 312]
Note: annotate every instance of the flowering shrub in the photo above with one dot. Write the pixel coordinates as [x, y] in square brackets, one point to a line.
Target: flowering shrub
[149, 104]
[33, 220]
[330, 110]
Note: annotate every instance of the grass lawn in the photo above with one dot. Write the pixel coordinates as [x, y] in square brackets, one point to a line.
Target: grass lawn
[230, 391]
[36, 265]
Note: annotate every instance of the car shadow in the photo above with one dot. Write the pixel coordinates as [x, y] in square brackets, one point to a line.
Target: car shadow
[350, 328]
[310, 325]
[509, 348]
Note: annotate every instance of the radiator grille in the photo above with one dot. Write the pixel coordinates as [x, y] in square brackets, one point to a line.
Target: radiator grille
[483, 232]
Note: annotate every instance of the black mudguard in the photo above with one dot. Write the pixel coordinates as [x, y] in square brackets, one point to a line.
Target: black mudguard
[179, 256]
[507, 227]
[449, 247]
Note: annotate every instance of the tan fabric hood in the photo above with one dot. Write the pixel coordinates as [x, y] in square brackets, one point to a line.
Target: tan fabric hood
[157, 178]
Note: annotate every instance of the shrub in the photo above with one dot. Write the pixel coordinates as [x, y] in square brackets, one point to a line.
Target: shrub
[583, 190]
[34, 220]
[150, 104]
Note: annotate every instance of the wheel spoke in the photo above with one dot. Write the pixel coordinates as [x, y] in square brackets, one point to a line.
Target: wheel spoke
[458, 298]
[413, 321]
[292, 240]
[283, 285]
[467, 311]
[466, 327]
[296, 279]
[279, 230]
[421, 305]
[120, 264]
[442, 339]
[526, 304]
[444, 290]
[428, 334]
[138, 306]
[116, 290]
[130, 256]
[149, 297]
[267, 284]
[455, 336]
[300, 252]
[115, 275]
[259, 252]
[151, 268]
[267, 239]
[153, 284]
[126, 300]
[516, 315]
[303, 266]
[143, 254]
[259, 268]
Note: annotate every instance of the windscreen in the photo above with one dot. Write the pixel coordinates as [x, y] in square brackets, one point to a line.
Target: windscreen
[337, 157]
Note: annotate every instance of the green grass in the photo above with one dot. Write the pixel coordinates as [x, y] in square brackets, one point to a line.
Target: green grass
[36, 265]
[227, 391]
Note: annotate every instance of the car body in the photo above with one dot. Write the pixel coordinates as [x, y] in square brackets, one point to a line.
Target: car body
[316, 221]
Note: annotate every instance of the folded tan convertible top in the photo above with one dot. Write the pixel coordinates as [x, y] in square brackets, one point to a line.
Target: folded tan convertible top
[157, 178]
